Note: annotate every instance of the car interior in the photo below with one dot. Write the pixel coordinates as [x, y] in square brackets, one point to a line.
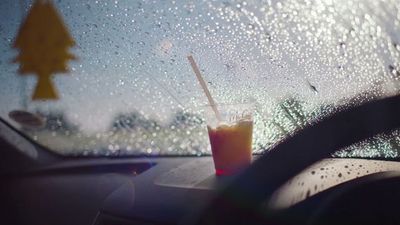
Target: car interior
[116, 112]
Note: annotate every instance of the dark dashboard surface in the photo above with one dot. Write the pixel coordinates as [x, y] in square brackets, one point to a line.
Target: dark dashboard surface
[149, 190]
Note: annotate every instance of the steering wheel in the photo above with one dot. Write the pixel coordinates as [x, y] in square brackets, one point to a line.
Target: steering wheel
[240, 201]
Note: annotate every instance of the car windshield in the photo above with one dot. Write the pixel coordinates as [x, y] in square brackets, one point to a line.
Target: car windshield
[131, 90]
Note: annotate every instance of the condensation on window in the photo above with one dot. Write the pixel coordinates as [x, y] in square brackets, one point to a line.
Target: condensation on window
[132, 91]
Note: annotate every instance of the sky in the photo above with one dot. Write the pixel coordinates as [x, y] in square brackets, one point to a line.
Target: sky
[132, 55]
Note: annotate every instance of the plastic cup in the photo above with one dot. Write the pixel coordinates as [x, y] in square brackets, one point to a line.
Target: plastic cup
[231, 138]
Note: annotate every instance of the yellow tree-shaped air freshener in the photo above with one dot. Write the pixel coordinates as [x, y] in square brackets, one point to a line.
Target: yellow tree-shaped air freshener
[43, 41]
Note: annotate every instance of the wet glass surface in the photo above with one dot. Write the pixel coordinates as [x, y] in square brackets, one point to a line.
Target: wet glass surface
[132, 90]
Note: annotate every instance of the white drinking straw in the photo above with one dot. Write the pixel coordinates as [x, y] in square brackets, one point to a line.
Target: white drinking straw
[204, 86]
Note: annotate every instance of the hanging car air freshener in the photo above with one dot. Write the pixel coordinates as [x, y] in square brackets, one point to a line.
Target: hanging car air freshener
[43, 42]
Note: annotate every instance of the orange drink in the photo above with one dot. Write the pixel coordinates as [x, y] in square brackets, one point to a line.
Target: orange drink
[231, 139]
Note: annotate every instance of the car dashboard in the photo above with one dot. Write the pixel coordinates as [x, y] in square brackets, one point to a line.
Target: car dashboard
[155, 190]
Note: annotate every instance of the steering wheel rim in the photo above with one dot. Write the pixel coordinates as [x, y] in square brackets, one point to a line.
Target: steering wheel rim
[240, 200]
